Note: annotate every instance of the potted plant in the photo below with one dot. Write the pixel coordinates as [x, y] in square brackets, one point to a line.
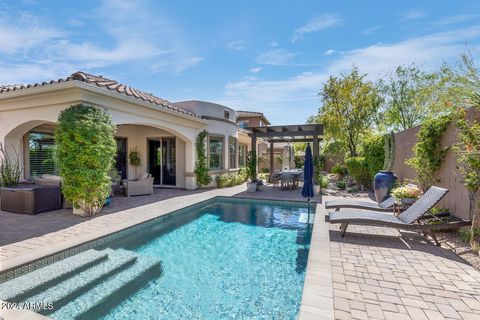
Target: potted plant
[10, 169]
[260, 185]
[85, 153]
[320, 182]
[252, 172]
[406, 194]
[134, 159]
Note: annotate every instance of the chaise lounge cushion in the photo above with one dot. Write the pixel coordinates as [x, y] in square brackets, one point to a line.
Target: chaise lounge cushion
[142, 176]
[363, 217]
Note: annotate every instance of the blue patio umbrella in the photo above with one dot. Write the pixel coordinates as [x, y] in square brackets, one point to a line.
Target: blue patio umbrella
[307, 190]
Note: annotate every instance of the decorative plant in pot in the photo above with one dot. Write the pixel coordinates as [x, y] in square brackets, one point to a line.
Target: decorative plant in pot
[252, 171]
[10, 169]
[134, 159]
[85, 153]
[260, 184]
[320, 183]
[406, 194]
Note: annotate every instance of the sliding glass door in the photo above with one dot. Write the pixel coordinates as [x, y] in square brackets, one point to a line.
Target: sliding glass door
[162, 161]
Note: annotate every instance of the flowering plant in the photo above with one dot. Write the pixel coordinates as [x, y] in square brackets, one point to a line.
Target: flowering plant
[406, 192]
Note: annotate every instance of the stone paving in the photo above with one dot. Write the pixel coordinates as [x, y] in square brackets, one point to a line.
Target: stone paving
[376, 274]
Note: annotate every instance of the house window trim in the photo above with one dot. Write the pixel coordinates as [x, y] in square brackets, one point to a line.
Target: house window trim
[29, 158]
[222, 154]
[245, 152]
[235, 155]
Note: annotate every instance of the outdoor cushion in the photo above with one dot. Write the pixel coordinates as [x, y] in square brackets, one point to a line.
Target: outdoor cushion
[142, 176]
[47, 176]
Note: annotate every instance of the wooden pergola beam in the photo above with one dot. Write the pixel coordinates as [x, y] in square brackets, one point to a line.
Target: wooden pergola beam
[294, 140]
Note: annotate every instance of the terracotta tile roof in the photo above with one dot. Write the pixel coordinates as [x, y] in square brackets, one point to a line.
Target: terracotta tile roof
[248, 114]
[107, 84]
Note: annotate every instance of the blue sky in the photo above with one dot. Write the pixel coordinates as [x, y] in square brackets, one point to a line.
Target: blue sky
[269, 56]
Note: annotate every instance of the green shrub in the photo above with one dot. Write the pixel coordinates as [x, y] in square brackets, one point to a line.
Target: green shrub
[251, 168]
[85, 153]
[340, 170]
[428, 151]
[229, 180]
[358, 169]
[322, 180]
[341, 184]
[335, 151]
[265, 170]
[201, 169]
[467, 235]
[374, 153]
[299, 160]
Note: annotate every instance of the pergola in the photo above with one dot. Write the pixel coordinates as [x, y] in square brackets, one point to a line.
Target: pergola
[289, 133]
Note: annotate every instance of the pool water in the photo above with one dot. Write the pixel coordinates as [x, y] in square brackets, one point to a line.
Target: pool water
[224, 261]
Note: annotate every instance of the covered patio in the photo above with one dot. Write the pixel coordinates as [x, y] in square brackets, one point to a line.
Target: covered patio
[288, 133]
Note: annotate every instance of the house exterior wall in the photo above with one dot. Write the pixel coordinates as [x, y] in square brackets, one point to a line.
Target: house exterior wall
[25, 109]
[252, 121]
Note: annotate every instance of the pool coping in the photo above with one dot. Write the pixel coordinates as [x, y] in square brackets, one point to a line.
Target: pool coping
[317, 296]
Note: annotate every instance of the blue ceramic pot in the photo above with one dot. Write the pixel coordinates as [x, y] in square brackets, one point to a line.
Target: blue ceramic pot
[383, 184]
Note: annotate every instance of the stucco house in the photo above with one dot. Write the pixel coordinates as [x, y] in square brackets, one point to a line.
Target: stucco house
[283, 151]
[164, 133]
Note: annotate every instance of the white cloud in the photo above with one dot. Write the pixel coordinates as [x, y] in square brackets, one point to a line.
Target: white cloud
[276, 57]
[455, 19]
[30, 42]
[255, 70]
[329, 52]
[274, 44]
[429, 51]
[299, 93]
[413, 14]
[237, 45]
[318, 23]
[20, 33]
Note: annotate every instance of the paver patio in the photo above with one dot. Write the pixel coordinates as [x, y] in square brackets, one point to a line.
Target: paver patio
[375, 274]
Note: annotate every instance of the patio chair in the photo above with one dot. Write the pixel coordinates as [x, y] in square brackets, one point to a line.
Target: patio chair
[276, 179]
[142, 186]
[287, 181]
[416, 218]
[386, 205]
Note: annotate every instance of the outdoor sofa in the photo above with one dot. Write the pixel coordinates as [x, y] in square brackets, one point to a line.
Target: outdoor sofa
[142, 186]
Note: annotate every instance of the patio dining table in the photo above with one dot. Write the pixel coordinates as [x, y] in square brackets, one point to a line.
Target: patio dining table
[289, 177]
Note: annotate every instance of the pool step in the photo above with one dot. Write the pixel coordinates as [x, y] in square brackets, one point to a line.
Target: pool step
[69, 289]
[110, 292]
[34, 282]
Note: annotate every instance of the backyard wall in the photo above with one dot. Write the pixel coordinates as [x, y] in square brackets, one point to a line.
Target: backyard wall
[456, 199]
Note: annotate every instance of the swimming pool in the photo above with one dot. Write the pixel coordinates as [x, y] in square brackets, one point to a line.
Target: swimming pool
[228, 259]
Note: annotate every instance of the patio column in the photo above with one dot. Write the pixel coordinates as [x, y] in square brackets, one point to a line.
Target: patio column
[316, 148]
[254, 143]
[271, 161]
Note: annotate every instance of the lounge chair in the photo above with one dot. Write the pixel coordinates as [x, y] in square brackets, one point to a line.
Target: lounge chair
[415, 218]
[386, 205]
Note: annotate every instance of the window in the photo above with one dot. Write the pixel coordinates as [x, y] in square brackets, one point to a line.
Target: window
[232, 152]
[215, 154]
[40, 147]
[242, 155]
[260, 123]
[243, 124]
